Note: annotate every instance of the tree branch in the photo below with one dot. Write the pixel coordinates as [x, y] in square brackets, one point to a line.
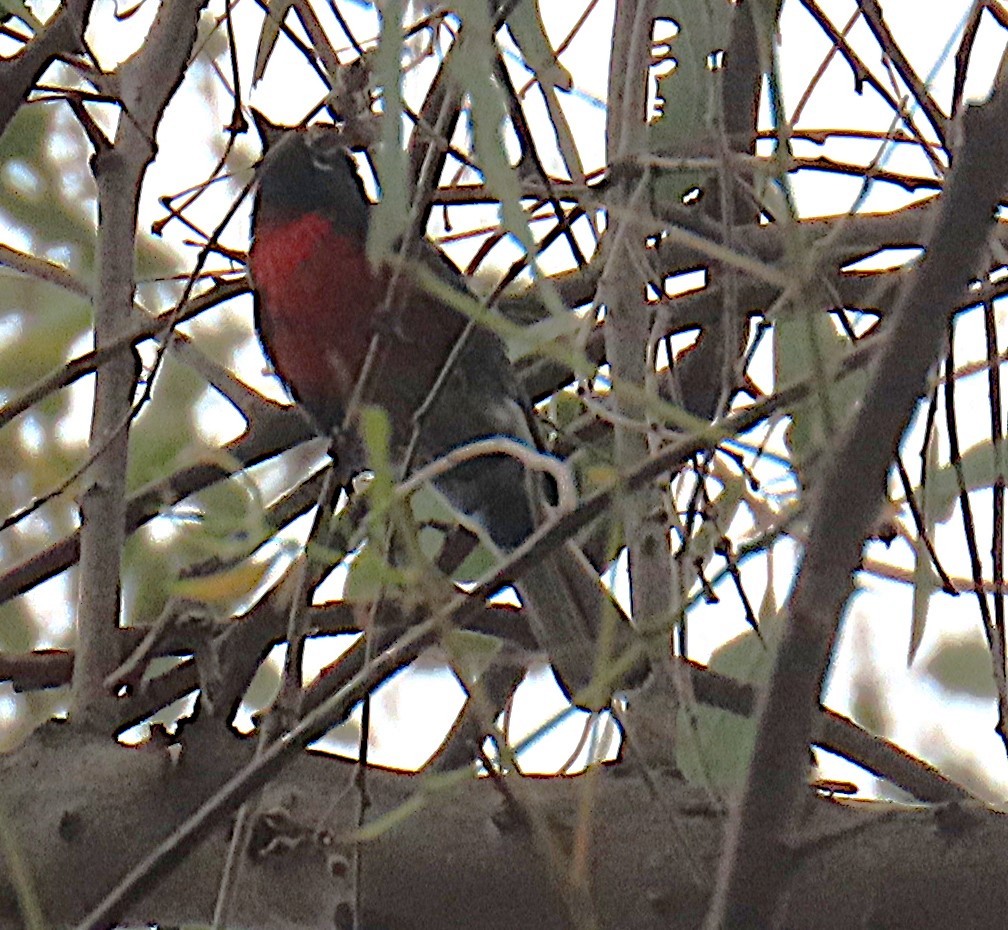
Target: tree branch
[758, 854]
[147, 81]
[440, 847]
[18, 74]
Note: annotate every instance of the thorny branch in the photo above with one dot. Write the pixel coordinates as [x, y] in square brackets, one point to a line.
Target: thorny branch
[754, 867]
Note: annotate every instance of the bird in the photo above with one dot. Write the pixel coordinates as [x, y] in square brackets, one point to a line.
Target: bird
[318, 304]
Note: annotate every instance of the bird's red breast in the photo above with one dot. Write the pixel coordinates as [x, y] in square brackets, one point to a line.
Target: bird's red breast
[319, 303]
[316, 298]
[320, 306]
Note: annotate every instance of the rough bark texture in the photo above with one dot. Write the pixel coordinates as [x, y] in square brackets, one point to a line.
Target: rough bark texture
[82, 811]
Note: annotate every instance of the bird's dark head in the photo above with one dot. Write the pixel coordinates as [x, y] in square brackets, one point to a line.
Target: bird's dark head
[309, 170]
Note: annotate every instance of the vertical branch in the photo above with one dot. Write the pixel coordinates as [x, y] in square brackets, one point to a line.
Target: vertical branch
[995, 642]
[763, 834]
[148, 80]
[103, 503]
[998, 491]
[627, 324]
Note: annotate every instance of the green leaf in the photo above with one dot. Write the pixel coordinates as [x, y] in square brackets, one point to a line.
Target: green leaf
[471, 652]
[925, 580]
[50, 322]
[807, 345]
[514, 334]
[276, 11]
[376, 433]
[371, 578]
[425, 786]
[526, 26]
[32, 188]
[962, 667]
[688, 91]
[713, 746]
[391, 216]
[430, 510]
[165, 433]
[476, 564]
[36, 199]
[263, 688]
[527, 29]
[702, 546]
[488, 115]
[982, 465]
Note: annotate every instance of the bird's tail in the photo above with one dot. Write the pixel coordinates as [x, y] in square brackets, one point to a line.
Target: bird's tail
[588, 640]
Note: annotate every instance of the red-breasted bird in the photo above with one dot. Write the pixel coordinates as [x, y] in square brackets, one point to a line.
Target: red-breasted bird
[318, 303]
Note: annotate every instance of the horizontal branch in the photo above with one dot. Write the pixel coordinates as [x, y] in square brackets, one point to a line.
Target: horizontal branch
[896, 867]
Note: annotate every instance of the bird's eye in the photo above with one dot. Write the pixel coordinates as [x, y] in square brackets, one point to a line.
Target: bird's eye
[324, 147]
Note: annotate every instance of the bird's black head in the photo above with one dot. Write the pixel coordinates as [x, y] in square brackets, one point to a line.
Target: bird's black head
[310, 171]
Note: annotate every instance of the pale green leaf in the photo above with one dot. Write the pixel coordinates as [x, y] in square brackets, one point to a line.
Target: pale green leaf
[961, 666]
[471, 652]
[526, 26]
[276, 10]
[702, 545]
[713, 746]
[807, 346]
[390, 218]
[527, 29]
[426, 786]
[687, 92]
[488, 115]
[925, 580]
[371, 578]
[982, 465]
